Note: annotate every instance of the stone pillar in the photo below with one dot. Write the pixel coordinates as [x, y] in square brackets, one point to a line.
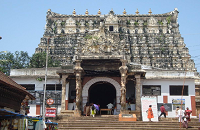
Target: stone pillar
[64, 82]
[123, 70]
[138, 93]
[78, 71]
[67, 96]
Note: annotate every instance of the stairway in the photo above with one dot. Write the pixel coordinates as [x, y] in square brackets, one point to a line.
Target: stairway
[112, 123]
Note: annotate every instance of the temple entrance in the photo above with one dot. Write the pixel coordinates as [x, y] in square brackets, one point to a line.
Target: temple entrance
[102, 93]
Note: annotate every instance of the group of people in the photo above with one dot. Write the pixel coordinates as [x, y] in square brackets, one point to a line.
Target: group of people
[183, 116]
[91, 109]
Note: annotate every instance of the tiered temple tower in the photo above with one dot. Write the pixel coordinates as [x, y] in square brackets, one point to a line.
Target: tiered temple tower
[121, 51]
[148, 39]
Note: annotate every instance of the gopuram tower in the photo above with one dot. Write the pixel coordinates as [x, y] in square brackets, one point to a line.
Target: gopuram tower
[114, 50]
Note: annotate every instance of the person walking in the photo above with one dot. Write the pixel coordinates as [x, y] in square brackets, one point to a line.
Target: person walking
[185, 121]
[180, 115]
[163, 111]
[188, 113]
[150, 113]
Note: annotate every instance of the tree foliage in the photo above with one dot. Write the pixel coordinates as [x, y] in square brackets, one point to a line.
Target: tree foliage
[17, 60]
[38, 60]
[20, 60]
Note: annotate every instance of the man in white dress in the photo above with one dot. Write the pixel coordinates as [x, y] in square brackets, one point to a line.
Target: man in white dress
[110, 106]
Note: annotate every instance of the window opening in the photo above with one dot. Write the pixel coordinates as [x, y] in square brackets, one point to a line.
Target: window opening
[28, 86]
[149, 90]
[177, 90]
[110, 28]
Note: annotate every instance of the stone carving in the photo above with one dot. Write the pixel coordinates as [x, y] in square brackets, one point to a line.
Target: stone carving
[102, 44]
[78, 70]
[140, 22]
[123, 70]
[160, 33]
[140, 30]
[152, 22]
[70, 22]
[132, 22]
[90, 23]
[111, 19]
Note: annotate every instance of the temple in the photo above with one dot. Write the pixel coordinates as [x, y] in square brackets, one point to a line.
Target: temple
[115, 59]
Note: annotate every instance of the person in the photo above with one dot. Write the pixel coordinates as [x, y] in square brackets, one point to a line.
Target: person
[86, 111]
[97, 108]
[129, 106]
[110, 106]
[162, 109]
[185, 121]
[188, 112]
[150, 113]
[93, 110]
[177, 108]
[74, 104]
[180, 115]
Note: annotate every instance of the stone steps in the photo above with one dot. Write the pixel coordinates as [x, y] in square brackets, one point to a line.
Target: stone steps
[112, 123]
[126, 127]
[72, 124]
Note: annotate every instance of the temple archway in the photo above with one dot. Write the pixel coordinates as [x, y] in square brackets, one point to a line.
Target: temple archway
[102, 93]
[111, 81]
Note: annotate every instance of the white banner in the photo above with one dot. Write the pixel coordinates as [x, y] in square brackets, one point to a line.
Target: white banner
[145, 102]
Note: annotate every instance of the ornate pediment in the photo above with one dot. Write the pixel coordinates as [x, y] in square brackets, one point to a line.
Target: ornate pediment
[97, 44]
[111, 19]
[70, 22]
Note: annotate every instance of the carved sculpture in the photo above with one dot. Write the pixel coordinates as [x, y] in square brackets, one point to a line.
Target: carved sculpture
[160, 32]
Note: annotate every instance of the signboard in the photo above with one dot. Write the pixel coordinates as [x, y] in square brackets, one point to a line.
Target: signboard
[127, 115]
[50, 101]
[168, 106]
[145, 102]
[50, 112]
[177, 103]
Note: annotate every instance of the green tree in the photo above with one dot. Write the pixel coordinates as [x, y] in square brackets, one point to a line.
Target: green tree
[17, 60]
[38, 60]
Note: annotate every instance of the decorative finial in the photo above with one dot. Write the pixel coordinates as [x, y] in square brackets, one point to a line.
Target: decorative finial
[86, 12]
[124, 12]
[137, 12]
[74, 12]
[111, 12]
[99, 12]
[150, 11]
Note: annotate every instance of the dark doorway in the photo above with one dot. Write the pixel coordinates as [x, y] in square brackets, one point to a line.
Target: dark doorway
[102, 93]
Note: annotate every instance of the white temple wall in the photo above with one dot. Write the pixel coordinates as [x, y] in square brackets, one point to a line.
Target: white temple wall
[164, 83]
[38, 87]
[165, 91]
[32, 110]
[38, 84]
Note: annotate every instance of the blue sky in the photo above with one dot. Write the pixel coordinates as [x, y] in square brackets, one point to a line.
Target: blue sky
[22, 22]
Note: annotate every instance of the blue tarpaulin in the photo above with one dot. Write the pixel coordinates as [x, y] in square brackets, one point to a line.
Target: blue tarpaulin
[6, 113]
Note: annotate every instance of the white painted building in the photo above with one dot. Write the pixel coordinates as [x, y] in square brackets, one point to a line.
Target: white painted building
[164, 84]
